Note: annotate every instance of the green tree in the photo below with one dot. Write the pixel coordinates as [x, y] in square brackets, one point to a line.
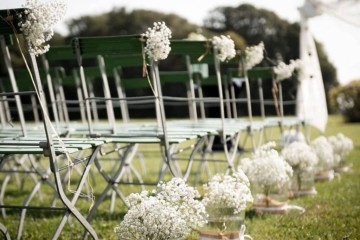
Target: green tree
[119, 21]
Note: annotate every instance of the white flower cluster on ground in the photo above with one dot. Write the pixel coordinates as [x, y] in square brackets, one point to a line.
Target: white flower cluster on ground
[37, 22]
[300, 156]
[254, 55]
[341, 145]
[284, 71]
[324, 151]
[157, 41]
[167, 213]
[267, 168]
[227, 192]
[225, 47]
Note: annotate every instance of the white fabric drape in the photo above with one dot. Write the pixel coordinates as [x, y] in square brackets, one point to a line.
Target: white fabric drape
[311, 100]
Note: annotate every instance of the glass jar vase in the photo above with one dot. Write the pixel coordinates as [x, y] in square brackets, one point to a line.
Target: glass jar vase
[343, 166]
[270, 199]
[222, 224]
[325, 175]
[302, 184]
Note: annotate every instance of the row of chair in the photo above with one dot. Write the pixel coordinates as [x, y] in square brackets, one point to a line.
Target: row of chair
[70, 145]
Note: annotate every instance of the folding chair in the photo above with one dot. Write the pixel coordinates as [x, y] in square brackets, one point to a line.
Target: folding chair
[227, 128]
[150, 133]
[282, 122]
[44, 145]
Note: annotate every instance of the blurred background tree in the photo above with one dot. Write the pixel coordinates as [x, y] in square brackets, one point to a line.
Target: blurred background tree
[346, 100]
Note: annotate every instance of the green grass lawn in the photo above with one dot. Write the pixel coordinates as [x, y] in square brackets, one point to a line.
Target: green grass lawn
[334, 213]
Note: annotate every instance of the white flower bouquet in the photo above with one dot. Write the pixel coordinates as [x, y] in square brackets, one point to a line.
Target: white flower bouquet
[227, 191]
[157, 41]
[324, 151]
[254, 55]
[269, 175]
[224, 47]
[342, 146]
[169, 212]
[303, 160]
[225, 200]
[284, 71]
[37, 22]
[300, 156]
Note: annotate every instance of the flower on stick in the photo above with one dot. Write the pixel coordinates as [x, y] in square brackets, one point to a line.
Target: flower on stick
[254, 55]
[37, 22]
[284, 71]
[224, 47]
[157, 41]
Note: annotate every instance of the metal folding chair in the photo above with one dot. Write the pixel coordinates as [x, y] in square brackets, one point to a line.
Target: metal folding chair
[43, 145]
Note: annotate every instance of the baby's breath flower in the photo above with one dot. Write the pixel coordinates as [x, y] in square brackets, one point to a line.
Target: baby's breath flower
[300, 156]
[166, 213]
[224, 47]
[227, 192]
[324, 151]
[37, 23]
[284, 71]
[341, 145]
[267, 168]
[157, 41]
[254, 55]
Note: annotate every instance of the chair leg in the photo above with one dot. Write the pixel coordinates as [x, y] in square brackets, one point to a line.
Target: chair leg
[4, 232]
[27, 201]
[112, 183]
[70, 205]
[191, 158]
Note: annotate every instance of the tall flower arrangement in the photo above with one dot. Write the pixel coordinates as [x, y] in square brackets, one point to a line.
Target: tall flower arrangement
[37, 22]
[254, 55]
[166, 213]
[268, 171]
[225, 199]
[225, 47]
[303, 161]
[342, 146]
[325, 153]
[300, 156]
[157, 41]
[228, 191]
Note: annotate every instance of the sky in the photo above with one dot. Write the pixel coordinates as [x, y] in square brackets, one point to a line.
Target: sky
[340, 40]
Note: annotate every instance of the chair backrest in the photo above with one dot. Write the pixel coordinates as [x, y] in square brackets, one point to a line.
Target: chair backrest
[131, 45]
[98, 47]
[205, 70]
[261, 76]
[4, 41]
[56, 57]
[8, 27]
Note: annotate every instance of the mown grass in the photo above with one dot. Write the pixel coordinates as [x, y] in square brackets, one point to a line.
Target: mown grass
[334, 213]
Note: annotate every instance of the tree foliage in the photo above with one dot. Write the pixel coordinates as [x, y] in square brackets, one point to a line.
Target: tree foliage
[119, 21]
[346, 100]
